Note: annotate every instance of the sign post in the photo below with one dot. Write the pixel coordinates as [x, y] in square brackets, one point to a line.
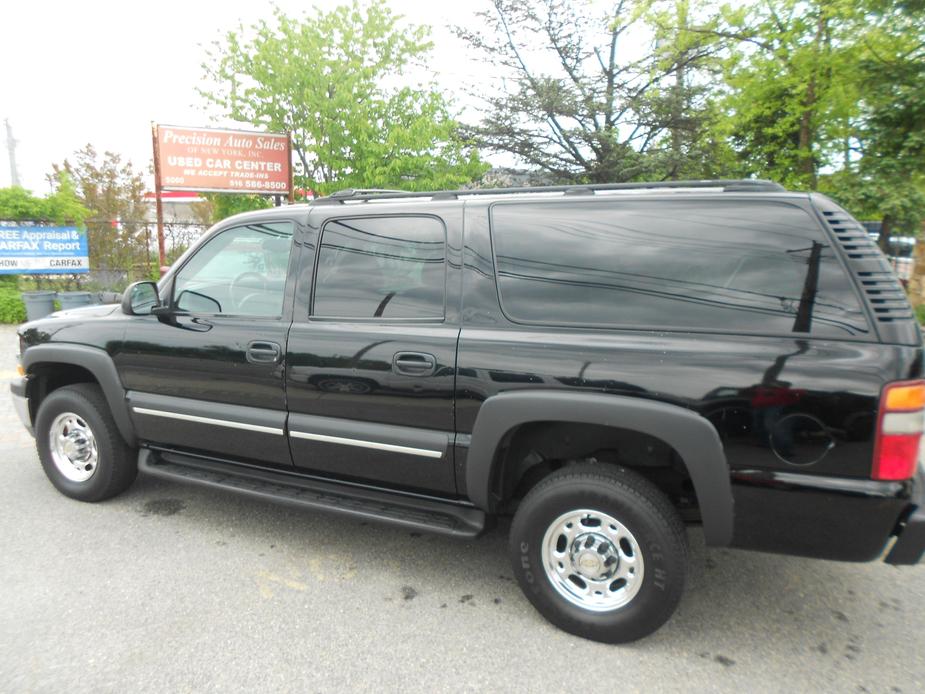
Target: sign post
[289, 159]
[158, 205]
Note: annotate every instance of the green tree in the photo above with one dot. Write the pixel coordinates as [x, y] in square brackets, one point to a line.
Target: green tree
[331, 79]
[687, 62]
[574, 103]
[886, 179]
[792, 87]
[17, 203]
[217, 206]
[113, 192]
[62, 206]
[830, 94]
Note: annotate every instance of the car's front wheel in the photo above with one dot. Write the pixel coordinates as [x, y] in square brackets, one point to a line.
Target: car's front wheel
[79, 445]
[600, 552]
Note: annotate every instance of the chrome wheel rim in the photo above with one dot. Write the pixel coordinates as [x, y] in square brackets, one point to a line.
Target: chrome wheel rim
[73, 447]
[592, 560]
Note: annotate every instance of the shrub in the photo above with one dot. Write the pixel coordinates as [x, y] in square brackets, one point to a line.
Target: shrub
[12, 309]
[920, 313]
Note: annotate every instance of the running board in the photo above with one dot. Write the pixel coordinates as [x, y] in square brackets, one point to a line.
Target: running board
[428, 515]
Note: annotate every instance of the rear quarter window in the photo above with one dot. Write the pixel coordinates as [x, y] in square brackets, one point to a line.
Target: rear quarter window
[762, 267]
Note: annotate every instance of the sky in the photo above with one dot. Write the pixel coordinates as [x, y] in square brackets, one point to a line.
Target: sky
[85, 71]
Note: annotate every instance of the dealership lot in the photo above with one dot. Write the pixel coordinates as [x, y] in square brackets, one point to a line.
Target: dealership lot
[174, 588]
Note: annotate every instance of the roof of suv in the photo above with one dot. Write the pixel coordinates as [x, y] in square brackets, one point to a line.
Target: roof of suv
[746, 185]
[352, 196]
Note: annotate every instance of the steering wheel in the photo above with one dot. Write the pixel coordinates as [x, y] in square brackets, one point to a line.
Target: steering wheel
[241, 292]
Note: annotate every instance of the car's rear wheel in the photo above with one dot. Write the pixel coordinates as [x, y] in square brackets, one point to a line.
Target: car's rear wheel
[600, 552]
[79, 445]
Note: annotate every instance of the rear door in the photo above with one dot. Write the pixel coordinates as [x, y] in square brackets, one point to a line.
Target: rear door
[372, 350]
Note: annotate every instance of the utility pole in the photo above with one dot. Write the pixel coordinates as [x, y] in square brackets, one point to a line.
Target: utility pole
[11, 148]
[804, 317]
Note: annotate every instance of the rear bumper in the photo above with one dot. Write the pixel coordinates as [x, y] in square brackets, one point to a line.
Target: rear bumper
[825, 517]
[910, 541]
[21, 402]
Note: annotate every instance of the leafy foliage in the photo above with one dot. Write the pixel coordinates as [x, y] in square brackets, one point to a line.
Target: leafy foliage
[218, 206]
[920, 313]
[61, 207]
[113, 192]
[327, 78]
[12, 308]
[888, 180]
[792, 92]
[573, 105]
[815, 94]
[687, 60]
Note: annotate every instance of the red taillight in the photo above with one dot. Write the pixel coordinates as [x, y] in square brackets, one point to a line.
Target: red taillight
[899, 430]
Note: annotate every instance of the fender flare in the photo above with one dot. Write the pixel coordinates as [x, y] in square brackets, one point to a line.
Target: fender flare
[97, 362]
[692, 436]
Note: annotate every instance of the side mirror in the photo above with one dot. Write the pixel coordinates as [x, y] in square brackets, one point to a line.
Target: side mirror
[140, 299]
[194, 302]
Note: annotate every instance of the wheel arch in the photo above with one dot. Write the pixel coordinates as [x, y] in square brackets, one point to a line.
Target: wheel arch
[690, 435]
[96, 362]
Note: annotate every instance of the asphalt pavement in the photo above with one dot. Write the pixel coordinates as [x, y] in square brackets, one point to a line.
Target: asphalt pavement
[172, 588]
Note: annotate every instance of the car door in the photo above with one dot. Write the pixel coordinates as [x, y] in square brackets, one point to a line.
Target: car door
[372, 350]
[208, 376]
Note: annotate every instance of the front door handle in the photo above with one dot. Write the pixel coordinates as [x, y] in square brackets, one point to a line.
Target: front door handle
[414, 363]
[262, 352]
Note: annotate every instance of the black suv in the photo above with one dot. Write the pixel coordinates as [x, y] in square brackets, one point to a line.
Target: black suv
[604, 363]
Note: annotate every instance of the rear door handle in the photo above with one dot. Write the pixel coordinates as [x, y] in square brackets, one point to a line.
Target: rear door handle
[261, 352]
[414, 363]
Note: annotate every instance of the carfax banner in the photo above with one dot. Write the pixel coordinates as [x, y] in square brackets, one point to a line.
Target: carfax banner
[27, 250]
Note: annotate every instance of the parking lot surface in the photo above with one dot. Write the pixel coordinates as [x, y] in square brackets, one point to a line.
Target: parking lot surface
[175, 588]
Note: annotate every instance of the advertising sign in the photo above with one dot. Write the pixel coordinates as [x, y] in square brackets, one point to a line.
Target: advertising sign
[43, 250]
[203, 159]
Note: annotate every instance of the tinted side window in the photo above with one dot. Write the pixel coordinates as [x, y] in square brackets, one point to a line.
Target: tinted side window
[241, 271]
[724, 265]
[382, 267]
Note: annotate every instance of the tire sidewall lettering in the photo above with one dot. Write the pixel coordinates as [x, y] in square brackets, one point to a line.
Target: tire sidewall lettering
[525, 563]
[654, 554]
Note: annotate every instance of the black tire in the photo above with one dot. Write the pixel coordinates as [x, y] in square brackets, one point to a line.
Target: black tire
[636, 504]
[117, 463]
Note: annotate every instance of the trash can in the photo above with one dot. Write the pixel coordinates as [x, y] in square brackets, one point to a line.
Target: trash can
[109, 297]
[38, 304]
[73, 299]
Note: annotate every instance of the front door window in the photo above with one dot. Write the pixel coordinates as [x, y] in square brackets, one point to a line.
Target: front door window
[240, 272]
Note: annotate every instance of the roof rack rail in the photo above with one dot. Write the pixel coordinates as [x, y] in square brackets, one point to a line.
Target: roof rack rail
[362, 192]
[742, 185]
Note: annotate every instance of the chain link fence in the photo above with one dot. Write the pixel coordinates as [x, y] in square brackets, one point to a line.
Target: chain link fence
[120, 253]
